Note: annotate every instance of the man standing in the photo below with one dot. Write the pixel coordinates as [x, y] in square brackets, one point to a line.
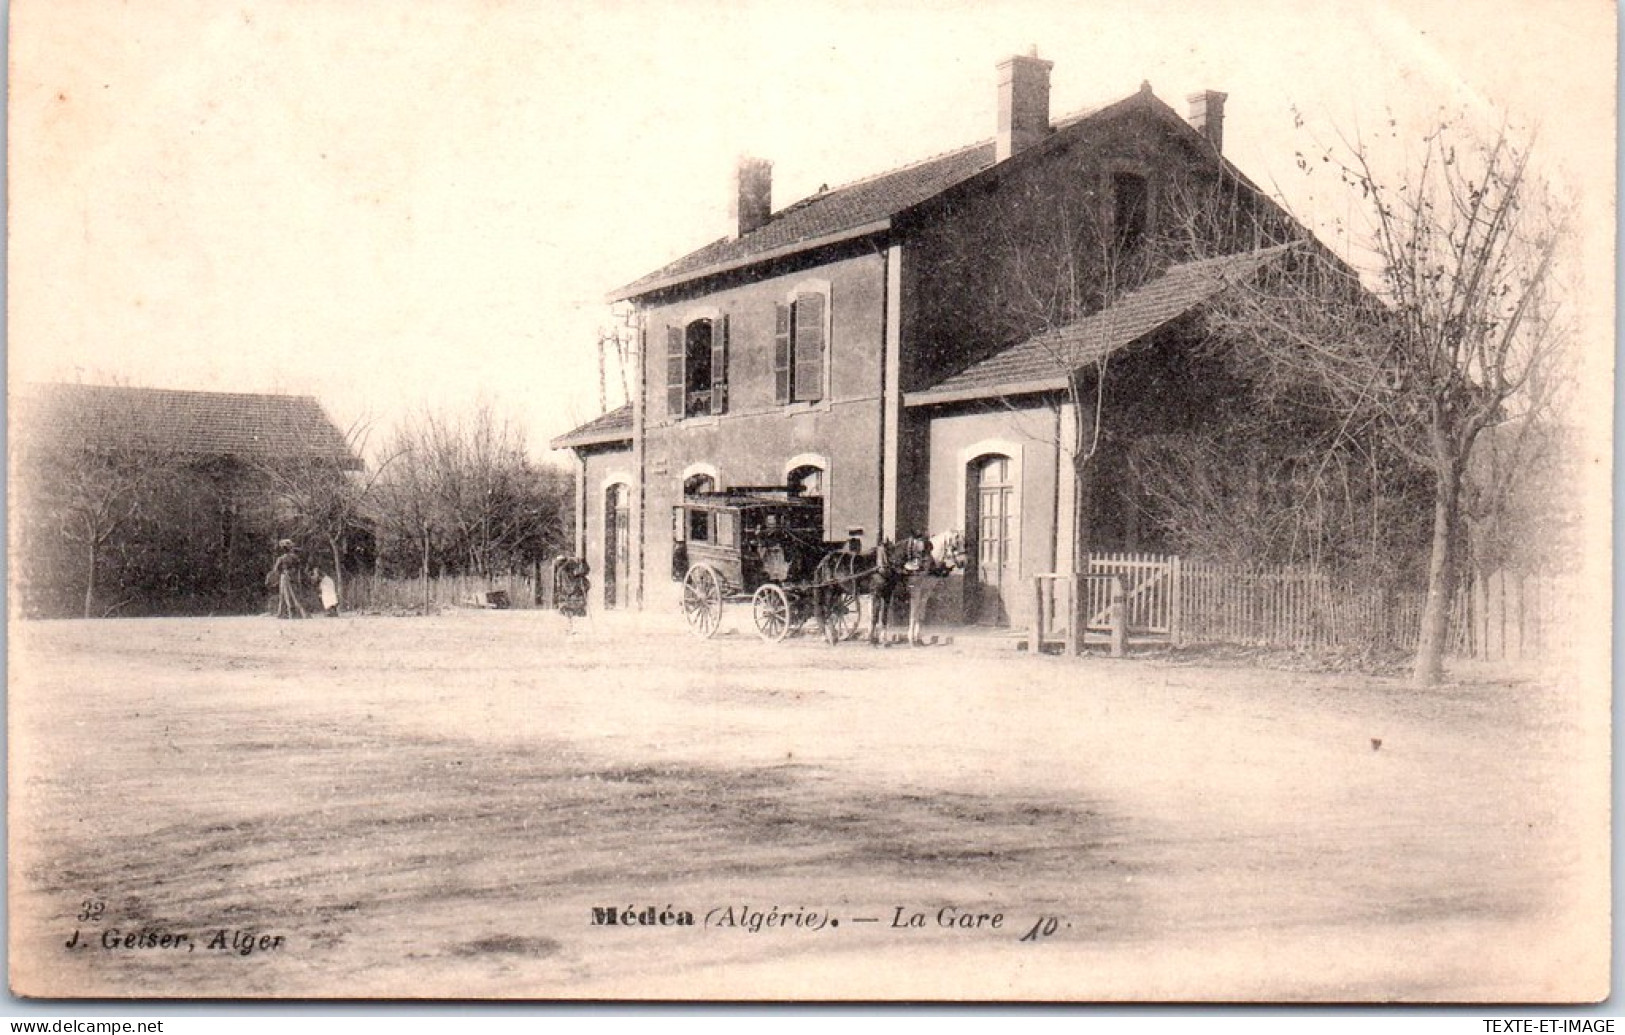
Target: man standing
[283, 571]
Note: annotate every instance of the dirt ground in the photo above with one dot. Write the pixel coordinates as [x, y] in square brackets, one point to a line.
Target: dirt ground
[436, 807]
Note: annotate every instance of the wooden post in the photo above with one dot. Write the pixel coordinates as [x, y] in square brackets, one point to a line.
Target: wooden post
[1074, 615]
[1176, 603]
[1119, 615]
[1035, 635]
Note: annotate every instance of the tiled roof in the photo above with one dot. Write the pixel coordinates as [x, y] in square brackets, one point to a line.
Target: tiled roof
[853, 209]
[827, 213]
[1042, 363]
[157, 420]
[614, 426]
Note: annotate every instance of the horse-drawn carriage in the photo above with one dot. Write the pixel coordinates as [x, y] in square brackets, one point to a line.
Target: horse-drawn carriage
[765, 546]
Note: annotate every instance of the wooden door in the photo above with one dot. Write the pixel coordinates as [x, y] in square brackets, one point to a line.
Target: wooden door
[992, 497]
[617, 545]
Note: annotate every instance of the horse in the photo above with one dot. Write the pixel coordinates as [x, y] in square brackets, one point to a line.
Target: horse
[949, 548]
[873, 575]
[923, 561]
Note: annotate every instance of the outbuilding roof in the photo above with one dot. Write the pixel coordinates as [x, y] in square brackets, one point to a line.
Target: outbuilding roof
[606, 429]
[186, 423]
[1043, 363]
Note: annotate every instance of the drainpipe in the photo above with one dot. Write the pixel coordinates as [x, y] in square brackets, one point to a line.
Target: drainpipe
[891, 395]
[1055, 495]
[581, 504]
[639, 459]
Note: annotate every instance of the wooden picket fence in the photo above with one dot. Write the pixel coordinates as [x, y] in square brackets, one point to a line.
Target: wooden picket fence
[1505, 616]
[374, 593]
[1293, 608]
[1517, 616]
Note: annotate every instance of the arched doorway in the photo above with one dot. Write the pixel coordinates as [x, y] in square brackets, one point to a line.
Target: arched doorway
[617, 545]
[990, 491]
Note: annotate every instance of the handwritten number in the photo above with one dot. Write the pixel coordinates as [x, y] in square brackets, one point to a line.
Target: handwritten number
[1046, 926]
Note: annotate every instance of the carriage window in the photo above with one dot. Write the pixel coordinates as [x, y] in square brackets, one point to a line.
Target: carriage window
[699, 526]
[727, 529]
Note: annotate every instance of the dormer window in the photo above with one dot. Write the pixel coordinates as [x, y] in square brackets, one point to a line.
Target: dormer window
[697, 368]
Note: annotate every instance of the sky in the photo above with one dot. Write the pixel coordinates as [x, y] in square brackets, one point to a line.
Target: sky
[397, 206]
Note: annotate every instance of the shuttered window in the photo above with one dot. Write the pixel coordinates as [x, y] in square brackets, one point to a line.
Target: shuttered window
[781, 353]
[808, 347]
[719, 366]
[676, 385]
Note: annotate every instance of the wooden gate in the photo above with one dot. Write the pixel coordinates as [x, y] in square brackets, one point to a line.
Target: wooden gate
[1150, 592]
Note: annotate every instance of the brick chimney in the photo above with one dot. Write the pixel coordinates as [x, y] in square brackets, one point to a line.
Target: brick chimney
[1207, 116]
[1023, 104]
[753, 195]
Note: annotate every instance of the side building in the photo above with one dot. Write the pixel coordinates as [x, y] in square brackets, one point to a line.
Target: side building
[139, 501]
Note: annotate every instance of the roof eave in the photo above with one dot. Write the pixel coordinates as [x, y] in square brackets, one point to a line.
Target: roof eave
[638, 289]
[597, 438]
[938, 397]
[192, 453]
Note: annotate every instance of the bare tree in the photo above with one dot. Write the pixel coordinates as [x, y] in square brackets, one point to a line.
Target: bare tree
[408, 499]
[479, 471]
[85, 485]
[1455, 325]
[1521, 511]
[96, 495]
[464, 496]
[327, 497]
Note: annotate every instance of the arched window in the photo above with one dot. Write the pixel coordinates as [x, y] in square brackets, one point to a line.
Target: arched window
[696, 484]
[807, 479]
[697, 367]
[808, 473]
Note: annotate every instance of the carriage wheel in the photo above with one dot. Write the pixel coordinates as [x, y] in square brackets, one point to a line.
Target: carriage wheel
[702, 601]
[771, 609]
[841, 615]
